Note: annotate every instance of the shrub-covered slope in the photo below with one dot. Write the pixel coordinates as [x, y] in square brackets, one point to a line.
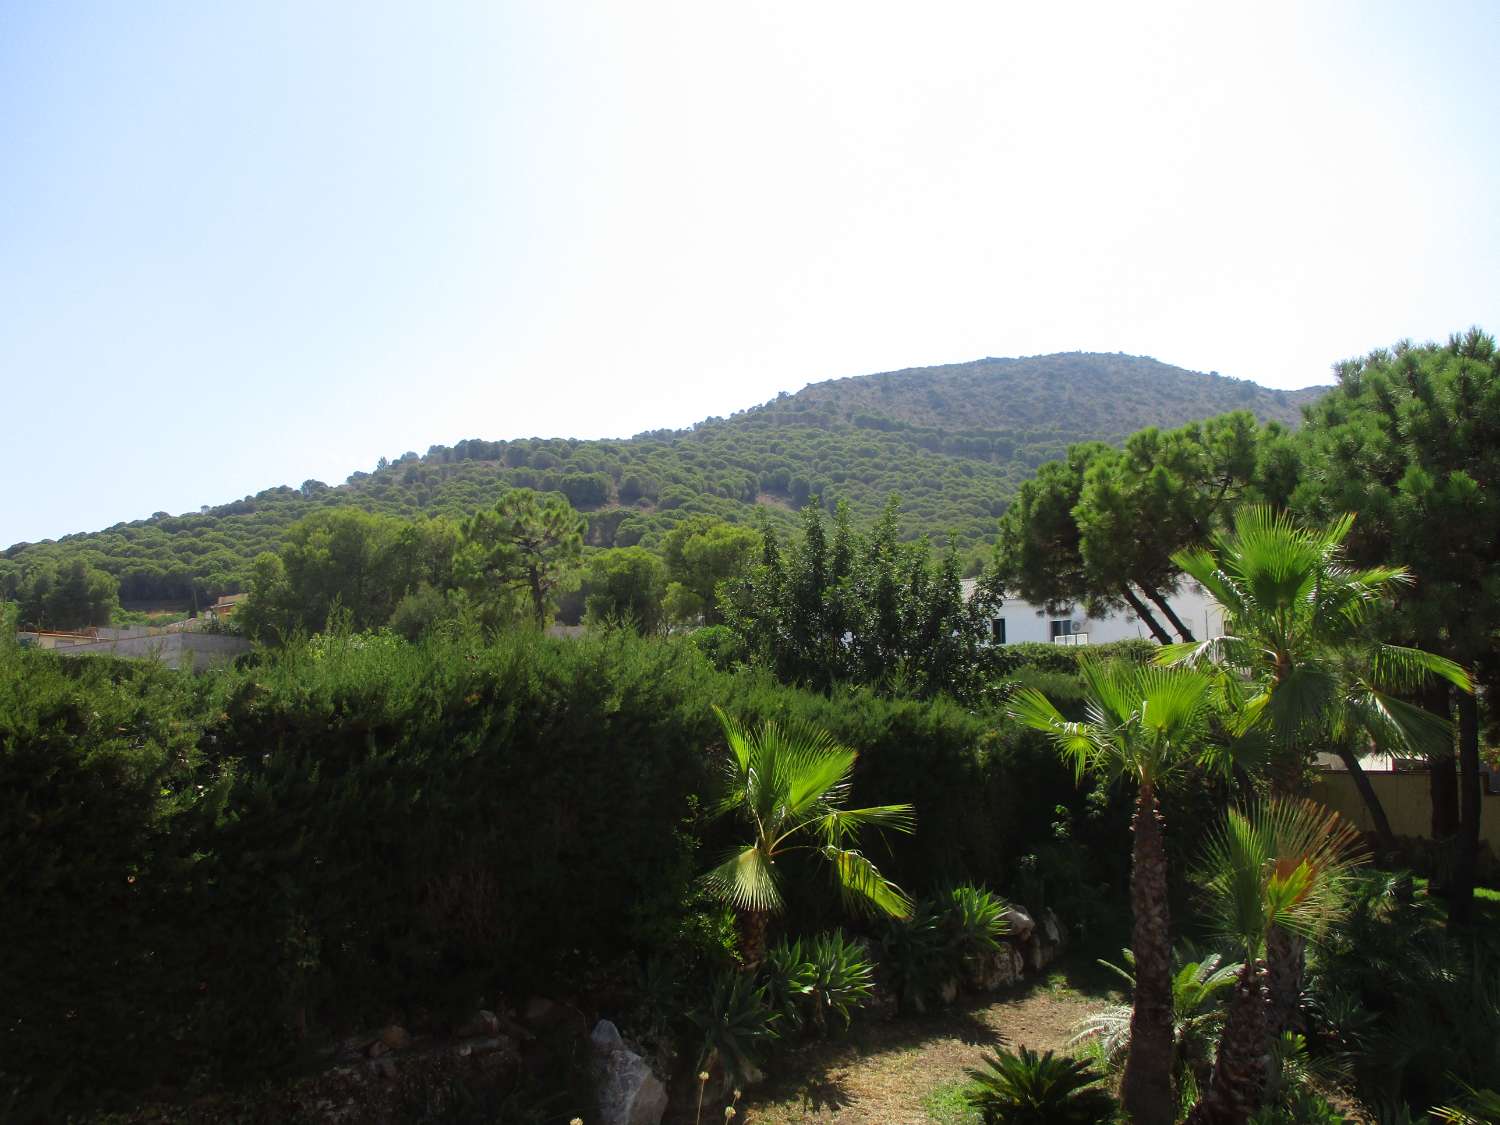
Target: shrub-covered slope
[954, 441]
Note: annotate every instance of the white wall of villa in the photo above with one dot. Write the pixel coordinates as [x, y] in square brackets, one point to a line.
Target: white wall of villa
[1022, 622]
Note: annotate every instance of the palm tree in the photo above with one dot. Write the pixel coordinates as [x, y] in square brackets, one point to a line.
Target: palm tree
[1298, 633]
[1279, 866]
[1303, 668]
[1143, 724]
[787, 786]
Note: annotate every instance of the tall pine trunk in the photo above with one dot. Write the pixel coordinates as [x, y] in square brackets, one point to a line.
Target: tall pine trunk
[1370, 798]
[1146, 1088]
[1238, 1085]
[1169, 613]
[1470, 805]
[1138, 608]
[1442, 770]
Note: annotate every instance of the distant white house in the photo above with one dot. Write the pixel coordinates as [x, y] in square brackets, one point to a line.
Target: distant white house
[1019, 621]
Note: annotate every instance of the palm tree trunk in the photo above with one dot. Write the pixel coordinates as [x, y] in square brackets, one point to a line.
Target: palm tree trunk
[1169, 613]
[1370, 798]
[1286, 965]
[1146, 1087]
[753, 927]
[1239, 1080]
[1138, 607]
[1470, 804]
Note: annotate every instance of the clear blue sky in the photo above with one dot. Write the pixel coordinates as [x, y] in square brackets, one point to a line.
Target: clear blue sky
[245, 245]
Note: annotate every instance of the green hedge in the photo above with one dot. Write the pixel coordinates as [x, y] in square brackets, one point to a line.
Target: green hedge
[204, 875]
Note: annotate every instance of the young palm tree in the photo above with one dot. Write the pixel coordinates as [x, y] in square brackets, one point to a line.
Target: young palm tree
[1305, 670]
[788, 787]
[1282, 865]
[1143, 724]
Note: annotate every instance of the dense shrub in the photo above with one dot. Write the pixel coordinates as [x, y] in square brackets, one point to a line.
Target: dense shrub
[205, 874]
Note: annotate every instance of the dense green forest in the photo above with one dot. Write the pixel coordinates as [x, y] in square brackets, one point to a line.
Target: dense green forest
[954, 442]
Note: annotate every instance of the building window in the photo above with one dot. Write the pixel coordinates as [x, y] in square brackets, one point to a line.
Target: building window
[1064, 627]
[997, 630]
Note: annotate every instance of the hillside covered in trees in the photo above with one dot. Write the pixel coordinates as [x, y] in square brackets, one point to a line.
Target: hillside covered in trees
[955, 442]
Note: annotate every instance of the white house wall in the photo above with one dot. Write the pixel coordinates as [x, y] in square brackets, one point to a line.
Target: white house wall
[1025, 622]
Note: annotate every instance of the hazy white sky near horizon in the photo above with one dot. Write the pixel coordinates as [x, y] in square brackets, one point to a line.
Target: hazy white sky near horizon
[245, 246]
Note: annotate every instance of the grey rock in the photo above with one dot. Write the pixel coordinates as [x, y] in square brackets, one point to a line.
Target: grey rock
[1022, 924]
[1052, 928]
[606, 1038]
[629, 1093]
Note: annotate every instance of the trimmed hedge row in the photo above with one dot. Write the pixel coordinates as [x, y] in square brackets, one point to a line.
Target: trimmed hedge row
[201, 869]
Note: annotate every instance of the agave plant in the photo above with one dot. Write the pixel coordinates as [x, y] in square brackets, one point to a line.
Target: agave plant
[914, 958]
[1024, 1088]
[1200, 986]
[818, 981]
[973, 921]
[737, 1023]
[788, 787]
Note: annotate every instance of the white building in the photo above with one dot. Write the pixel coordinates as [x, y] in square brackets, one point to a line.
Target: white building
[1019, 621]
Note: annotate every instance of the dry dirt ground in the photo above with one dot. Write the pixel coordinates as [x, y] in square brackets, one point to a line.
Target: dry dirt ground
[908, 1072]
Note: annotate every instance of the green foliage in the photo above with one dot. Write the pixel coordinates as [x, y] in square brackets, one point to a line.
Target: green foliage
[789, 787]
[1416, 1012]
[527, 543]
[973, 921]
[71, 594]
[700, 553]
[1146, 723]
[913, 958]
[1297, 618]
[737, 1024]
[626, 585]
[934, 948]
[1282, 863]
[864, 609]
[1200, 987]
[1478, 1107]
[1024, 1088]
[102, 799]
[813, 982]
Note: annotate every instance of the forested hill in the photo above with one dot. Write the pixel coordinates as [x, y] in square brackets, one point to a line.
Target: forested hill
[1087, 395]
[954, 441]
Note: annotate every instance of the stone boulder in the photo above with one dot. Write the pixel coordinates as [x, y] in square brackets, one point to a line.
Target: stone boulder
[1022, 924]
[1052, 929]
[629, 1093]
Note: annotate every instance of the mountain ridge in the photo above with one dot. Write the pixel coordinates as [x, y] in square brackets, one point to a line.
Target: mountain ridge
[954, 441]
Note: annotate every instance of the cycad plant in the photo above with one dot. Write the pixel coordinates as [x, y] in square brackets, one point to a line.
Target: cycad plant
[1200, 985]
[787, 786]
[1479, 1107]
[1280, 864]
[1143, 724]
[1024, 1088]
